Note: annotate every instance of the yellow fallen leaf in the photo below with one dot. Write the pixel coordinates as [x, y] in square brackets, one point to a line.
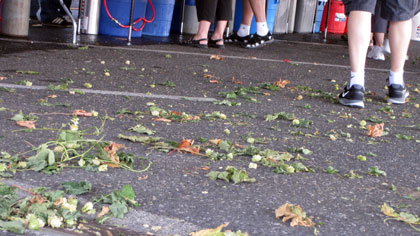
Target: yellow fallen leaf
[295, 214]
[209, 232]
[389, 211]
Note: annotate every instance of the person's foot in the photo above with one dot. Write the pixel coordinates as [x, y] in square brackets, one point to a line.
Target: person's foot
[352, 97]
[198, 43]
[59, 22]
[216, 43]
[397, 94]
[258, 41]
[376, 53]
[235, 38]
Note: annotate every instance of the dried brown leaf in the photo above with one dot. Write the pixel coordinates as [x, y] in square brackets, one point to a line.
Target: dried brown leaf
[81, 113]
[215, 141]
[162, 119]
[217, 57]
[30, 124]
[208, 76]
[376, 130]
[186, 146]
[214, 81]
[295, 214]
[112, 151]
[103, 212]
[142, 177]
[236, 81]
[281, 83]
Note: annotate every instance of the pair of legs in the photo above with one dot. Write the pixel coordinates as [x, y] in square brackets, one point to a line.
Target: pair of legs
[399, 13]
[207, 12]
[243, 36]
[358, 36]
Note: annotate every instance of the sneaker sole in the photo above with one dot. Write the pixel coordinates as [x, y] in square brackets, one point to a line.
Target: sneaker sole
[398, 100]
[260, 45]
[351, 103]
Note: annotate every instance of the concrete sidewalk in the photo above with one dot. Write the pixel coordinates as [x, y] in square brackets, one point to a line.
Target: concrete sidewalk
[175, 193]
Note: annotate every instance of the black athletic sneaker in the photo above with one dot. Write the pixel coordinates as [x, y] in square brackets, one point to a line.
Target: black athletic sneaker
[352, 97]
[397, 93]
[258, 41]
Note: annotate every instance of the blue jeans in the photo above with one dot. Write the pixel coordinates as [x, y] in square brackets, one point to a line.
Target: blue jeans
[50, 9]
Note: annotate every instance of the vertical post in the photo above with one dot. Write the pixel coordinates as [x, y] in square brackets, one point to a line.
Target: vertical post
[182, 16]
[79, 14]
[72, 20]
[326, 20]
[130, 29]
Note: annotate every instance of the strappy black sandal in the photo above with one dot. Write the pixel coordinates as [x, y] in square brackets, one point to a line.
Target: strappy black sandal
[194, 43]
[213, 43]
[235, 38]
[258, 41]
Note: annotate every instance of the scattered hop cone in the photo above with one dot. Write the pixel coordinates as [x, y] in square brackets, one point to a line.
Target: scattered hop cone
[34, 223]
[88, 207]
[256, 158]
[82, 162]
[103, 168]
[22, 164]
[3, 167]
[55, 221]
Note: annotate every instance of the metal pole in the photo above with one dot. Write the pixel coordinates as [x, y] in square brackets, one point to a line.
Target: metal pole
[72, 20]
[79, 15]
[326, 20]
[131, 23]
[182, 16]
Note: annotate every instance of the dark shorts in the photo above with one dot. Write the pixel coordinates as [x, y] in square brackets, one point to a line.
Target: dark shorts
[379, 24]
[393, 10]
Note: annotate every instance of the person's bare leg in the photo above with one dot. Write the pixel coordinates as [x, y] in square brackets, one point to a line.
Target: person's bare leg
[218, 31]
[399, 40]
[247, 12]
[203, 31]
[358, 39]
[258, 7]
[379, 39]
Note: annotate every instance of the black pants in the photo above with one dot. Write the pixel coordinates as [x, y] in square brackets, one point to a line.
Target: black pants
[211, 10]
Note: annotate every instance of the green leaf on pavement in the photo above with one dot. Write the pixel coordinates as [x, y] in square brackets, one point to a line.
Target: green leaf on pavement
[77, 188]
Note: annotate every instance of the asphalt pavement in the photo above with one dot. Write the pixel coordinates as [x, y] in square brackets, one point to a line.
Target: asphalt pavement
[338, 189]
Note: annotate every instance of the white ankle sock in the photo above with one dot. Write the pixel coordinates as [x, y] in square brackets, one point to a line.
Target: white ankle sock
[396, 77]
[243, 30]
[262, 28]
[357, 78]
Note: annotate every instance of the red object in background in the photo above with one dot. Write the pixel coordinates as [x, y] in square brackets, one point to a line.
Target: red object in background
[337, 20]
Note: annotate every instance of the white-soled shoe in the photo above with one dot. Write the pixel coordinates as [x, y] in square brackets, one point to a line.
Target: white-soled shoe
[376, 53]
